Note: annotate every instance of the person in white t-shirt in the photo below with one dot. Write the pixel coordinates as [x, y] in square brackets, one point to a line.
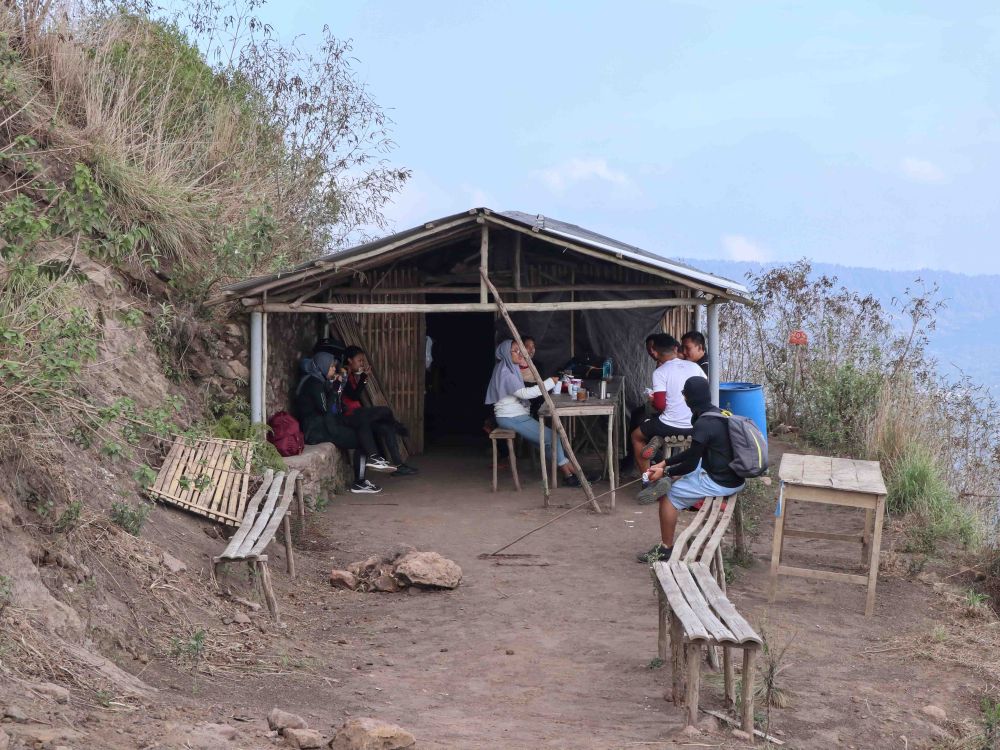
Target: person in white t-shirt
[674, 419]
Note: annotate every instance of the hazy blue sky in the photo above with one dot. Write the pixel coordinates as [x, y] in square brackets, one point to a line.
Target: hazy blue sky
[861, 133]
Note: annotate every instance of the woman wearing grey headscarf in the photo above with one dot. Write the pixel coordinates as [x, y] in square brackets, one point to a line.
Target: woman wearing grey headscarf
[509, 397]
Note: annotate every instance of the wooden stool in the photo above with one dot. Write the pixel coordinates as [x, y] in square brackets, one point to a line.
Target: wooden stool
[509, 436]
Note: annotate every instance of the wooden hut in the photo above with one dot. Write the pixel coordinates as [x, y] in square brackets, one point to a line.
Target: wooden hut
[574, 290]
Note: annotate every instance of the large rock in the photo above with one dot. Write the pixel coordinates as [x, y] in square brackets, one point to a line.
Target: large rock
[303, 739]
[936, 713]
[371, 734]
[325, 469]
[428, 569]
[342, 579]
[282, 720]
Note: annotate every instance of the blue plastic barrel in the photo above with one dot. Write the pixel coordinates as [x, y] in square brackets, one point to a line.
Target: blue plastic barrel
[745, 399]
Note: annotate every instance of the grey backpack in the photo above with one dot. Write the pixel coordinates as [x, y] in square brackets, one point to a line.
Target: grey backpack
[749, 445]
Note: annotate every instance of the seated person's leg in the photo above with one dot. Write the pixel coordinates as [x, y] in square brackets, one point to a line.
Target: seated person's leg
[385, 434]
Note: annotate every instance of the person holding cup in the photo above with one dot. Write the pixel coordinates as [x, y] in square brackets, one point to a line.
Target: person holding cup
[510, 396]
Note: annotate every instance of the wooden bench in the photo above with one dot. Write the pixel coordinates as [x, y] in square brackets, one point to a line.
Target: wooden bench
[259, 525]
[693, 606]
[508, 435]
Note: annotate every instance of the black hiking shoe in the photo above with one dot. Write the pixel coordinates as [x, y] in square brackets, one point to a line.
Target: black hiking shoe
[658, 553]
[654, 445]
[405, 470]
[364, 487]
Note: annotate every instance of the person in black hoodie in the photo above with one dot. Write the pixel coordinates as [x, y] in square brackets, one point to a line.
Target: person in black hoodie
[700, 471]
[317, 391]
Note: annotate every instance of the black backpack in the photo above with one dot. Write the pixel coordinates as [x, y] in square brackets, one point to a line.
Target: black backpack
[749, 445]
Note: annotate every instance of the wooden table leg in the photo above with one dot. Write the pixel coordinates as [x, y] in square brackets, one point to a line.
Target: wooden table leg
[777, 544]
[611, 457]
[874, 560]
[554, 481]
[866, 538]
[545, 468]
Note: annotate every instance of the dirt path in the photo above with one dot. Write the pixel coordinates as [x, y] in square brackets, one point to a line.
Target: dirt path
[554, 651]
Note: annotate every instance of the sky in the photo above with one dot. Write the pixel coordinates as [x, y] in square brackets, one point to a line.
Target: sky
[860, 133]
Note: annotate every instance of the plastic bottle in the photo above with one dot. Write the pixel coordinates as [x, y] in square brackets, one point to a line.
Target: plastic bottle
[607, 369]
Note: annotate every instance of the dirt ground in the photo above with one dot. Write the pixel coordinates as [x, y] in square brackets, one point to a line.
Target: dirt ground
[548, 651]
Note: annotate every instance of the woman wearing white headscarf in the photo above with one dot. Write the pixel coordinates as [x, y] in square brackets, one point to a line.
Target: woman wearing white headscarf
[510, 396]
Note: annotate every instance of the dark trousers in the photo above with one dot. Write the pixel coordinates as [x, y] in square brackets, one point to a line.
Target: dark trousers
[329, 429]
[375, 424]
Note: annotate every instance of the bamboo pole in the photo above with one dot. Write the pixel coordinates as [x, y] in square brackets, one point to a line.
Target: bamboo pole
[484, 263]
[557, 425]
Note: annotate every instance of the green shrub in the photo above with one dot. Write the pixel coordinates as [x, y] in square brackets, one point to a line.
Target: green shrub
[837, 403]
[6, 593]
[917, 488]
[129, 517]
[232, 422]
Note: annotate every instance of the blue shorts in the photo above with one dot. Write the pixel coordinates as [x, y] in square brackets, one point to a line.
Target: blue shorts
[690, 488]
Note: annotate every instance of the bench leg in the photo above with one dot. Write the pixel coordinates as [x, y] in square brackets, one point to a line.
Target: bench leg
[729, 675]
[217, 563]
[693, 654]
[713, 657]
[286, 523]
[265, 583]
[749, 677]
[494, 442]
[300, 502]
[661, 633]
[513, 463]
[676, 659]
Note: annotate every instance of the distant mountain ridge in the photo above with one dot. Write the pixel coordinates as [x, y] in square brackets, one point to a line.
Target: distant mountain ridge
[967, 336]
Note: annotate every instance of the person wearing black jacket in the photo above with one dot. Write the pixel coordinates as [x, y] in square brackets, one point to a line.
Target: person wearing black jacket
[700, 471]
[373, 423]
[316, 391]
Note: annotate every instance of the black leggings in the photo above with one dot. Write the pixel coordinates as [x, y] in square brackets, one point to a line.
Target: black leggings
[374, 424]
[329, 430]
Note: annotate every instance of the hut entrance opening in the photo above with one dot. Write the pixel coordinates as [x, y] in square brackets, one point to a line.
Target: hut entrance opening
[456, 381]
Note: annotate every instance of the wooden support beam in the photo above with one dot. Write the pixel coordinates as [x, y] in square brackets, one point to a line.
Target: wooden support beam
[473, 290]
[517, 262]
[484, 263]
[425, 307]
[557, 425]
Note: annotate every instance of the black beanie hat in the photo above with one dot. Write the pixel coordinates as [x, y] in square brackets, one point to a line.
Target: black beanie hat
[698, 394]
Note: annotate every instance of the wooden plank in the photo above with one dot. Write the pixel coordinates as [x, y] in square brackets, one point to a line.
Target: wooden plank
[874, 563]
[822, 575]
[692, 552]
[806, 534]
[240, 498]
[210, 471]
[720, 530]
[216, 502]
[277, 514]
[190, 466]
[696, 600]
[696, 524]
[693, 627]
[172, 485]
[484, 263]
[843, 474]
[791, 468]
[263, 517]
[870, 477]
[829, 496]
[176, 448]
[725, 609]
[188, 506]
[246, 523]
[458, 307]
[817, 471]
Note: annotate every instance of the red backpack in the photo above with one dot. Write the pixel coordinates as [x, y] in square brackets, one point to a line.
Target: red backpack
[285, 434]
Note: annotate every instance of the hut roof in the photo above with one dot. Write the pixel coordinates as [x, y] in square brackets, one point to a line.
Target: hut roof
[449, 228]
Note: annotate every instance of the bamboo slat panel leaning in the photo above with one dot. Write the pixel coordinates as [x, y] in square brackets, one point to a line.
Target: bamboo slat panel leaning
[206, 476]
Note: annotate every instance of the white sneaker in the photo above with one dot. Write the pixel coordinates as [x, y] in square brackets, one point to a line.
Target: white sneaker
[365, 488]
[377, 463]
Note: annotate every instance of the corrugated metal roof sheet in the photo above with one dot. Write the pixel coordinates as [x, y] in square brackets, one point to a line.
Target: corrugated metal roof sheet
[542, 226]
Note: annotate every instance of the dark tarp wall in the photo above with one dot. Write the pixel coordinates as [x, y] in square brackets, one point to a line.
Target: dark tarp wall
[619, 334]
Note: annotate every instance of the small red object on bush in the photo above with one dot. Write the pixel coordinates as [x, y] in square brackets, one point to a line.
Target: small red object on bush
[798, 338]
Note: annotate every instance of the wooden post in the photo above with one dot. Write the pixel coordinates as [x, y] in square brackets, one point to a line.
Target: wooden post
[729, 675]
[484, 262]
[749, 674]
[517, 264]
[876, 547]
[264, 576]
[661, 633]
[676, 659]
[286, 524]
[692, 652]
[494, 442]
[557, 426]
[513, 463]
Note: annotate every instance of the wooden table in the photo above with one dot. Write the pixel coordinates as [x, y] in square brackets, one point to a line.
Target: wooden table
[592, 407]
[831, 481]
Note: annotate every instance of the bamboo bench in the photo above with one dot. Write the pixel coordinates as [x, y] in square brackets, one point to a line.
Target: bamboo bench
[259, 525]
[691, 588]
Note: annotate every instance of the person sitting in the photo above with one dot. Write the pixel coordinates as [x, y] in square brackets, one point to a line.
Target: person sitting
[509, 396]
[534, 404]
[696, 473]
[373, 423]
[316, 390]
[693, 349]
[674, 418]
